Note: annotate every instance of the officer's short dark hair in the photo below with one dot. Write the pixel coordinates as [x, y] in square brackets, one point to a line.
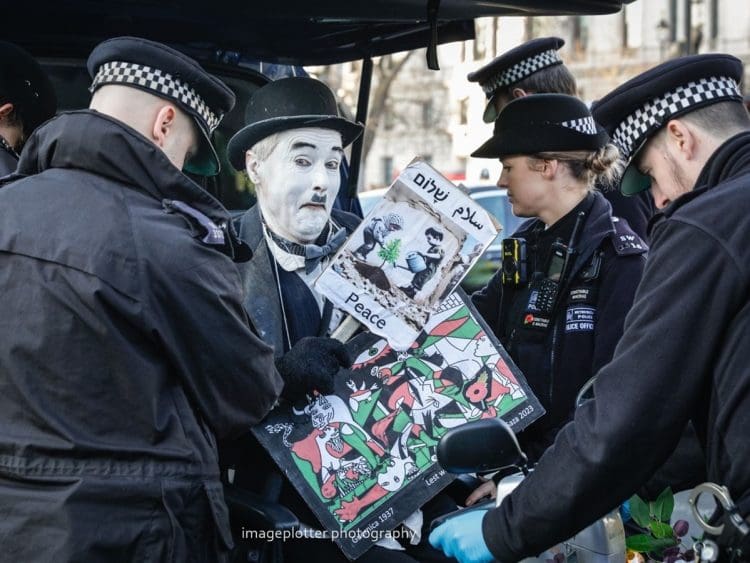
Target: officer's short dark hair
[720, 118]
[556, 79]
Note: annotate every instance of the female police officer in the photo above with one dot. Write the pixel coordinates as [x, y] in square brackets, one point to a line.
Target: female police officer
[569, 274]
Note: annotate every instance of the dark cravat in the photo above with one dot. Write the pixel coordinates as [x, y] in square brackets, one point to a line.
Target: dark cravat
[313, 253]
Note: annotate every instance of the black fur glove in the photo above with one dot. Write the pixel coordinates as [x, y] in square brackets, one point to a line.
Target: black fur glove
[311, 365]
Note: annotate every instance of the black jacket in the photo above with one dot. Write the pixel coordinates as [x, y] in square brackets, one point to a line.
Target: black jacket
[683, 355]
[558, 353]
[8, 160]
[124, 349]
[262, 300]
[637, 209]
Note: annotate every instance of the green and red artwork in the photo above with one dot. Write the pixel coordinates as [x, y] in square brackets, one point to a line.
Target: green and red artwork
[364, 458]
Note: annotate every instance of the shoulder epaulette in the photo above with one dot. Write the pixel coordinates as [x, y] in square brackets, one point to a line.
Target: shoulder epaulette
[624, 239]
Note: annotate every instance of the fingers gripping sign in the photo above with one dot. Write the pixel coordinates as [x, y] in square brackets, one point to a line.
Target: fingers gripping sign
[461, 537]
[488, 489]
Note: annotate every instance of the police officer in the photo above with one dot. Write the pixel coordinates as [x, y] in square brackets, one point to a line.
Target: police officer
[125, 351]
[684, 134]
[561, 313]
[535, 67]
[26, 100]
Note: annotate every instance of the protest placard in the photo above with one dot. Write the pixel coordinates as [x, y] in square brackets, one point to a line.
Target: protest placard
[408, 254]
[363, 458]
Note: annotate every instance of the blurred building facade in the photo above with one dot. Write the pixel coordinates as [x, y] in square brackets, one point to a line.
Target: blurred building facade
[437, 114]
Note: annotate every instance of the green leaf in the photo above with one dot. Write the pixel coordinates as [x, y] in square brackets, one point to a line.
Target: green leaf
[390, 252]
[664, 505]
[661, 530]
[639, 511]
[641, 543]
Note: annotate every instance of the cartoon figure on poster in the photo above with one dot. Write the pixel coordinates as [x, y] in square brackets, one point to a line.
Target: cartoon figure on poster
[367, 453]
[401, 251]
[376, 231]
[410, 252]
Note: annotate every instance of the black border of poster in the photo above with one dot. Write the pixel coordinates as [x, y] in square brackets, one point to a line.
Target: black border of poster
[383, 515]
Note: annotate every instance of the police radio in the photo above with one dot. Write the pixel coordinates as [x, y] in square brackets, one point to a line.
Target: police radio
[549, 285]
[514, 262]
[557, 267]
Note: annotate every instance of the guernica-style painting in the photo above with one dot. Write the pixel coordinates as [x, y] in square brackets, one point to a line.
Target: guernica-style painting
[408, 254]
[364, 458]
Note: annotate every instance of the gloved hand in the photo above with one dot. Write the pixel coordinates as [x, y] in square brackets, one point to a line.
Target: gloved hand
[461, 537]
[311, 365]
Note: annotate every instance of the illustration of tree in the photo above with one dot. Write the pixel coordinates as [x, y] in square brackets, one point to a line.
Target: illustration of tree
[390, 252]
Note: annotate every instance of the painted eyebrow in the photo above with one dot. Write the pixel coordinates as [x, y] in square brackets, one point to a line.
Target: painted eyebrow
[306, 145]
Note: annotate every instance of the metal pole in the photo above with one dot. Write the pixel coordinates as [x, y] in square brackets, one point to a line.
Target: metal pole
[363, 102]
[688, 26]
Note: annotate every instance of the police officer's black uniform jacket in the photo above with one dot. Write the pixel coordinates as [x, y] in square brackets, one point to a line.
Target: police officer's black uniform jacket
[684, 355]
[559, 352]
[124, 349]
[8, 158]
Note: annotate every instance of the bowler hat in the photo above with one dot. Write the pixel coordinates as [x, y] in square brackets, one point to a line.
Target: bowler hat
[24, 84]
[541, 123]
[513, 66]
[289, 103]
[169, 74]
[635, 111]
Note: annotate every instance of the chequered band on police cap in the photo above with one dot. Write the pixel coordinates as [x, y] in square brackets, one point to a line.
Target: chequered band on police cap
[631, 133]
[521, 70]
[150, 78]
[585, 125]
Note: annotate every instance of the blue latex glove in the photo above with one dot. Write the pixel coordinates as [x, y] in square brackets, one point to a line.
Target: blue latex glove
[625, 511]
[461, 537]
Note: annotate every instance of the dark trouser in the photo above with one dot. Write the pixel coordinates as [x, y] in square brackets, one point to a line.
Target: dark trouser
[366, 247]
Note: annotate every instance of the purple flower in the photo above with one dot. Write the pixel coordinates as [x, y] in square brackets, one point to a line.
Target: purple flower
[680, 528]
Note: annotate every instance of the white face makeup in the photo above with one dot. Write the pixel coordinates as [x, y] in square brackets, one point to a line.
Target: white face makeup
[298, 182]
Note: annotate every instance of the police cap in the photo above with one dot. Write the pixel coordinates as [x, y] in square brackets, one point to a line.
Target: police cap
[540, 123]
[24, 84]
[169, 74]
[515, 65]
[635, 111]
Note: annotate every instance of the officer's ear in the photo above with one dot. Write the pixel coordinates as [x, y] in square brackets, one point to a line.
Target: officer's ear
[6, 110]
[549, 168]
[681, 137]
[163, 124]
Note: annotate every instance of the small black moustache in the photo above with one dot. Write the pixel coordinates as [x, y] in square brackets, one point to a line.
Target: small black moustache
[319, 199]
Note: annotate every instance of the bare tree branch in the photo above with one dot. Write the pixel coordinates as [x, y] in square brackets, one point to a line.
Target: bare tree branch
[384, 74]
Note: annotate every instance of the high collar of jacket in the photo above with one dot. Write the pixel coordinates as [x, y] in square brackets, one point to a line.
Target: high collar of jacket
[597, 226]
[94, 142]
[731, 159]
[597, 223]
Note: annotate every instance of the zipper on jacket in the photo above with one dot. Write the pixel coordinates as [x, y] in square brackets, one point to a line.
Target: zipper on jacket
[552, 362]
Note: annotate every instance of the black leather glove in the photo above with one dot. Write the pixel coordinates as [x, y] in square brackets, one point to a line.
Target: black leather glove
[311, 365]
